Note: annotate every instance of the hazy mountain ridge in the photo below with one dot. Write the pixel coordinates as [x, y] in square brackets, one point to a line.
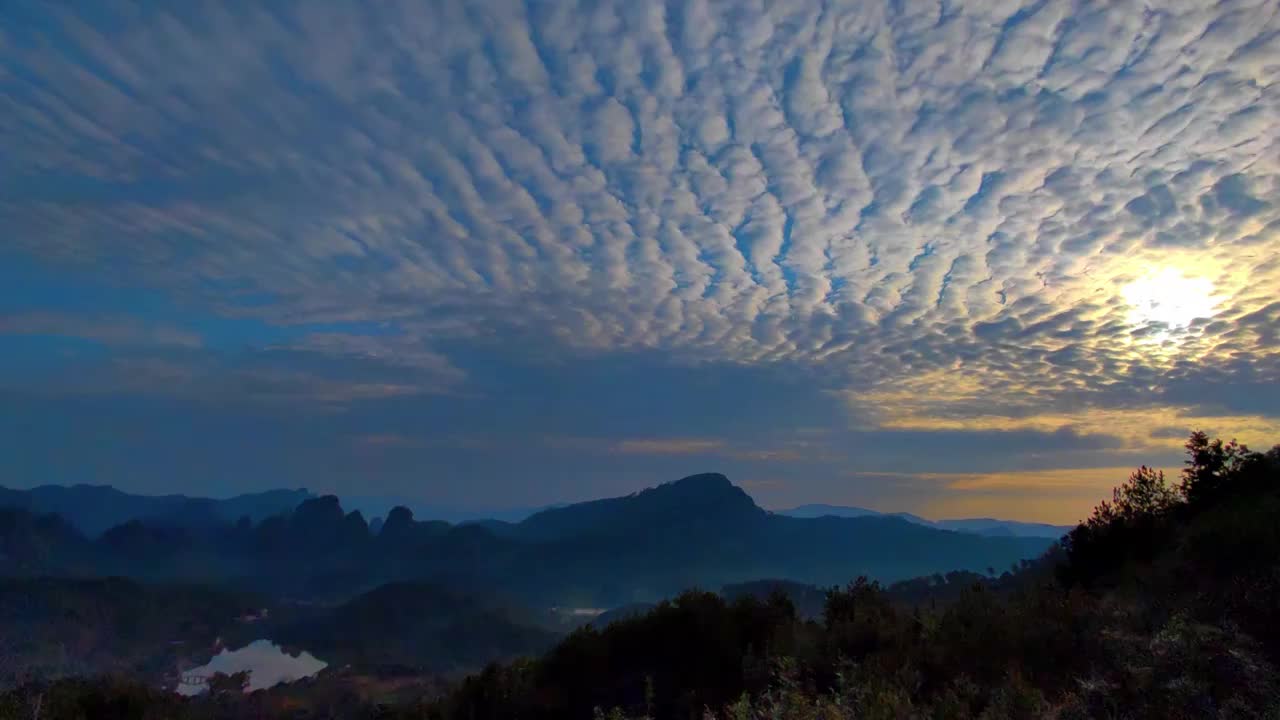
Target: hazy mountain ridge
[94, 509]
[979, 526]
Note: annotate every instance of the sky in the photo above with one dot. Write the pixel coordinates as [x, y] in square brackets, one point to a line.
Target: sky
[954, 258]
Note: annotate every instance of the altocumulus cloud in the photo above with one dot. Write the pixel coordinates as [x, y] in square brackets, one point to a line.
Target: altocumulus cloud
[928, 210]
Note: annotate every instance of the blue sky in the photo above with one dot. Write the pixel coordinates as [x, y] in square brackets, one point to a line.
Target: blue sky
[952, 258]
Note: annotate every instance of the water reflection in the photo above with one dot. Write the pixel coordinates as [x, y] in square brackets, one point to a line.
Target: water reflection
[266, 662]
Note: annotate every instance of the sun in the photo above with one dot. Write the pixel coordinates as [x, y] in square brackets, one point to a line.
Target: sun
[1167, 296]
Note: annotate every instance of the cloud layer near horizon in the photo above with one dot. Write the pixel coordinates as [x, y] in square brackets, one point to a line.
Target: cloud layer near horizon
[923, 215]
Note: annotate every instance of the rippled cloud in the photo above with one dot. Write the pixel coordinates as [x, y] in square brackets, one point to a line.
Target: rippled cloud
[939, 216]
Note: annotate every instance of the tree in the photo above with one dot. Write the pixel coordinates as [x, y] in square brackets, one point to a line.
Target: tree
[1145, 494]
[1130, 527]
[1212, 465]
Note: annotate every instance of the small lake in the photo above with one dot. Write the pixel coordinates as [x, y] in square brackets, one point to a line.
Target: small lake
[268, 664]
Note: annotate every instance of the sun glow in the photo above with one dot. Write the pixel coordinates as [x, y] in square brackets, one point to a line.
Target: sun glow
[1167, 296]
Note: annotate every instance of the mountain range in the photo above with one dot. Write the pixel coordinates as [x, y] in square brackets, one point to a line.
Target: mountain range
[698, 531]
[980, 526]
[94, 509]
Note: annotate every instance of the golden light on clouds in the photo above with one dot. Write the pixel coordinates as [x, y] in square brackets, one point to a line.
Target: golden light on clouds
[1058, 496]
[1169, 297]
[668, 446]
[1147, 427]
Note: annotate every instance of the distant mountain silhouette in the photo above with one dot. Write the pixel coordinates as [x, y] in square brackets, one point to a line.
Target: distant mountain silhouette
[708, 497]
[400, 528]
[379, 505]
[93, 509]
[704, 531]
[980, 526]
[991, 526]
[818, 510]
[699, 531]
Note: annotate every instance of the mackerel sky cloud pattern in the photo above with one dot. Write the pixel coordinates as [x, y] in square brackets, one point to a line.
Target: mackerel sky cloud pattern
[922, 214]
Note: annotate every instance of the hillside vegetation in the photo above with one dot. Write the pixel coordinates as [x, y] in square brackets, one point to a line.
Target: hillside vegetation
[53, 628]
